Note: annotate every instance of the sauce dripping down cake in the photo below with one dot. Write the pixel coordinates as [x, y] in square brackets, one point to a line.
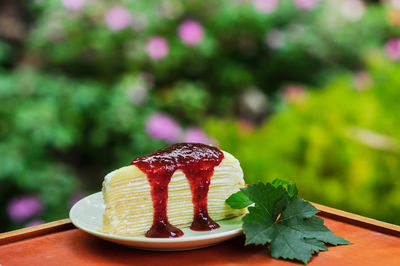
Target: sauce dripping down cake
[185, 184]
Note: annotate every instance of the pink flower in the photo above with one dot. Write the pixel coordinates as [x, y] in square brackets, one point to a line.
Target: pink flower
[265, 6]
[73, 5]
[197, 135]
[24, 207]
[306, 4]
[161, 126]
[118, 18]
[34, 223]
[392, 49]
[191, 32]
[157, 47]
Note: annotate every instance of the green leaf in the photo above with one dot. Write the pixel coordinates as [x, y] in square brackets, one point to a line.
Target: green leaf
[292, 190]
[286, 222]
[272, 200]
[299, 233]
[258, 227]
[238, 200]
[315, 227]
[279, 182]
[290, 186]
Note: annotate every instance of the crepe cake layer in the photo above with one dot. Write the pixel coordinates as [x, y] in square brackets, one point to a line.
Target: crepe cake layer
[129, 206]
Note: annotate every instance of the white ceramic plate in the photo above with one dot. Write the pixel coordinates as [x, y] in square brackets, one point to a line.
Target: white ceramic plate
[87, 214]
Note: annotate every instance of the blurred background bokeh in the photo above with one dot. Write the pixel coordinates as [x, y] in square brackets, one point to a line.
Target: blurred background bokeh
[305, 90]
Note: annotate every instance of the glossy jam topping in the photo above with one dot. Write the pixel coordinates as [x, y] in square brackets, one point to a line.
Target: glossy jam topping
[197, 161]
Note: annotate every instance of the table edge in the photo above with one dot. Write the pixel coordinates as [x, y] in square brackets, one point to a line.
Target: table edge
[324, 211]
[34, 231]
[355, 219]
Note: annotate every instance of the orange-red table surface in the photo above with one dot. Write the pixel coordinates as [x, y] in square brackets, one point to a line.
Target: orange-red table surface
[75, 247]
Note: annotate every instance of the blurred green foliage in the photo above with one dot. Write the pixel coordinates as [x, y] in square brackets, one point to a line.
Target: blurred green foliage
[233, 55]
[341, 145]
[76, 96]
[56, 131]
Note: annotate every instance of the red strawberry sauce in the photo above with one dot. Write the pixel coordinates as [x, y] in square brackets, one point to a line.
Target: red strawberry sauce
[197, 161]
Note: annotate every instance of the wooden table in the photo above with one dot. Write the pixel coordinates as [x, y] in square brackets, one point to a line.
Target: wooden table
[60, 243]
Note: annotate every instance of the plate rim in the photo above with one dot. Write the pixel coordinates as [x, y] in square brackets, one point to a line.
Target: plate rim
[208, 235]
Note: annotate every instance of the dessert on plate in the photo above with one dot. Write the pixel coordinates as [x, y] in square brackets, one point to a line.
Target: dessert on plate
[183, 185]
